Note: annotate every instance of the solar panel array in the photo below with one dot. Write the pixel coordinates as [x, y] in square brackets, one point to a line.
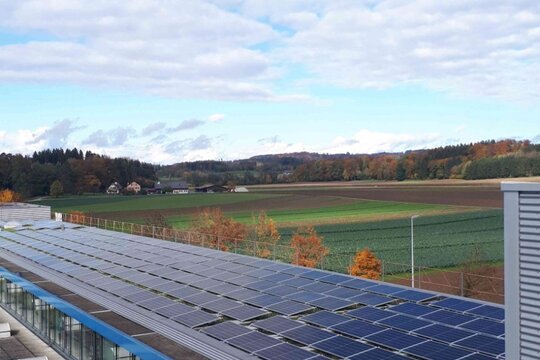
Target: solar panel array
[268, 309]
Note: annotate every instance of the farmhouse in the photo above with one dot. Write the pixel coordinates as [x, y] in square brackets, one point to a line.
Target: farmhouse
[211, 188]
[114, 189]
[174, 187]
[133, 187]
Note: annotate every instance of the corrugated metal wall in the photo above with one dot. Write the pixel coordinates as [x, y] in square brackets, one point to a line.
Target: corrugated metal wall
[522, 270]
[529, 268]
[21, 212]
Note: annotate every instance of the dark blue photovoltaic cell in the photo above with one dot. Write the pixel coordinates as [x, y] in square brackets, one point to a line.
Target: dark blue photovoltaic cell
[369, 313]
[225, 330]
[307, 334]
[357, 328]
[413, 295]
[335, 279]
[489, 311]
[277, 324]
[413, 309]
[341, 346]
[331, 303]
[314, 274]
[358, 284]
[196, 318]
[184, 292]
[285, 352]
[174, 310]
[243, 294]
[221, 305]
[479, 357]
[325, 318]
[377, 354]
[289, 308]
[371, 299]
[457, 304]
[405, 323]
[264, 300]
[483, 343]
[448, 317]
[319, 287]
[343, 293]
[244, 313]
[485, 326]
[385, 289]
[297, 282]
[394, 339]
[201, 298]
[304, 296]
[277, 277]
[296, 270]
[260, 285]
[253, 341]
[281, 290]
[443, 333]
[435, 351]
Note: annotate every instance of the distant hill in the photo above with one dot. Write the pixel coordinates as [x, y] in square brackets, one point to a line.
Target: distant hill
[482, 160]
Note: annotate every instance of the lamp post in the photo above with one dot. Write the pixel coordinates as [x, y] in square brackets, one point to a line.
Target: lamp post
[412, 249]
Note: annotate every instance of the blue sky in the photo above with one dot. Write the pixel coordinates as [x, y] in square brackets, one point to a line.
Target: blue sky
[230, 79]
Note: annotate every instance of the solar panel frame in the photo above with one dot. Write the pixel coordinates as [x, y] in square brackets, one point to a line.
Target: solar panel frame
[196, 318]
[289, 308]
[325, 318]
[244, 313]
[307, 334]
[285, 351]
[277, 324]
[253, 341]
[225, 330]
[341, 346]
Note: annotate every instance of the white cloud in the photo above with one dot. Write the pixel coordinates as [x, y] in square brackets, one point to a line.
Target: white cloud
[369, 142]
[216, 117]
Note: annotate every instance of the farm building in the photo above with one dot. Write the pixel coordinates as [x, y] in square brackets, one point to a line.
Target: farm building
[114, 189]
[240, 189]
[132, 296]
[133, 187]
[174, 187]
[211, 188]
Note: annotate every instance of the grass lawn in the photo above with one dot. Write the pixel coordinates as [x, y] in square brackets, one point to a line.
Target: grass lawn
[104, 203]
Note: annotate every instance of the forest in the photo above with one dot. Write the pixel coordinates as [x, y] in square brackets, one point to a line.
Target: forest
[78, 172]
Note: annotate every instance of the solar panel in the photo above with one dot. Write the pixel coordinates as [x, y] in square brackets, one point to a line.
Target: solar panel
[224, 288]
[385, 289]
[412, 309]
[483, 343]
[488, 311]
[372, 299]
[357, 328]
[243, 294]
[369, 313]
[139, 296]
[485, 326]
[285, 351]
[304, 296]
[296, 270]
[221, 305]
[331, 303]
[156, 302]
[377, 354]
[289, 308]
[196, 318]
[341, 346]
[307, 334]
[344, 293]
[264, 300]
[405, 323]
[394, 339]
[319, 287]
[432, 350]
[443, 333]
[297, 282]
[325, 318]
[201, 298]
[244, 313]
[335, 279]
[277, 277]
[253, 341]
[183, 292]
[456, 304]
[314, 274]
[174, 310]
[413, 295]
[448, 317]
[277, 324]
[225, 330]
[281, 290]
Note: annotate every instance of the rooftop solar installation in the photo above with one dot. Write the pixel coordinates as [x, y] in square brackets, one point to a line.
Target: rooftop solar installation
[259, 307]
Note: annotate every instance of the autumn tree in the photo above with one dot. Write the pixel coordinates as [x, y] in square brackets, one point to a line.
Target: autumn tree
[308, 247]
[56, 189]
[222, 232]
[365, 264]
[265, 233]
[157, 225]
[8, 196]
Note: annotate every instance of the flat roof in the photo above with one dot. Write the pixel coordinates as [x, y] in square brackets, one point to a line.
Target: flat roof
[222, 305]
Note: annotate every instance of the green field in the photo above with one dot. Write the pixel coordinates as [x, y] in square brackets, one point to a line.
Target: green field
[440, 241]
[104, 203]
[358, 211]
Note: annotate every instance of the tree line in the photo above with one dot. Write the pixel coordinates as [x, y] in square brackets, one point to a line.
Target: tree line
[75, 171]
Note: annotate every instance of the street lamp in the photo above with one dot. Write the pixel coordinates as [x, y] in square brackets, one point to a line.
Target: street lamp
[412, 249]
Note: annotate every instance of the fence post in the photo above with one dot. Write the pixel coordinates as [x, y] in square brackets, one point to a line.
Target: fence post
[274, 253]
[461, 283]
[153, 231]
[382, 269]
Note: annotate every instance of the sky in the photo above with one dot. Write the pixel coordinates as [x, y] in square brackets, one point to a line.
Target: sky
[166, 81]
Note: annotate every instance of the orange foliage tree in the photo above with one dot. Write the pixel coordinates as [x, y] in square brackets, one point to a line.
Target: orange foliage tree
[221, 231]
[265, 233]
[8, 196]
[366, 265]
[308, 247]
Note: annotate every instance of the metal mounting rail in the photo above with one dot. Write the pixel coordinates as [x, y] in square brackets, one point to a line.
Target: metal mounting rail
[184, 336]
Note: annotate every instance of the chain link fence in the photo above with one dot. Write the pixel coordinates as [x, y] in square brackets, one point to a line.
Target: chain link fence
[484, 282]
